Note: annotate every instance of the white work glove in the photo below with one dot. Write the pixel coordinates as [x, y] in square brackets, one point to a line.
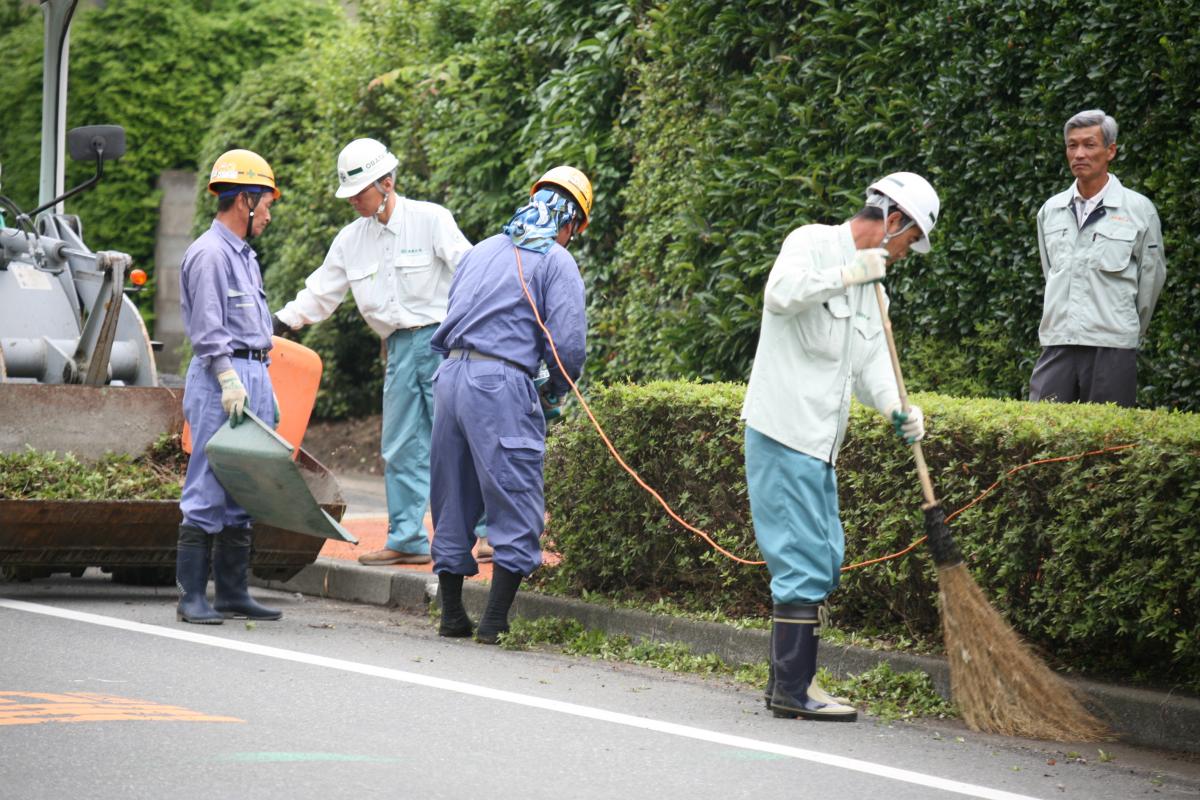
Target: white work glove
[909, 426]
[233, 396]
[868, 266]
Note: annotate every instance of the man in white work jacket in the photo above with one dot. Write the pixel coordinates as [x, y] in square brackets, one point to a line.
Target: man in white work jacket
[822, 340]
[397, 259]
[1103, 263]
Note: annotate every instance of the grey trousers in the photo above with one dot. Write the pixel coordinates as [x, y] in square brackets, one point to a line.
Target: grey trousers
[1077, 373]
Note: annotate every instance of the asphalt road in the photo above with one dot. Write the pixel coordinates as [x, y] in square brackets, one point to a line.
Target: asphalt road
[346, 701]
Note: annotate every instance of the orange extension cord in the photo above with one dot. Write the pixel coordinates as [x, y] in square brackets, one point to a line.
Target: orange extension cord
[671, 512]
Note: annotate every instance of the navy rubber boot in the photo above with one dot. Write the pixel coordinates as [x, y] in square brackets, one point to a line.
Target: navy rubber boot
[794, 657]
[770, 690]
[191, 576]
[231, 573]
[500, 600]
[455, 622]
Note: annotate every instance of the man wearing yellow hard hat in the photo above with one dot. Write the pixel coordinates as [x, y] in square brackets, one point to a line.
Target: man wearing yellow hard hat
[489, 426]
[226, 317]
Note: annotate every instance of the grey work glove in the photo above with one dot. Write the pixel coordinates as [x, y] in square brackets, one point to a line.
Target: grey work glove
[233, 396]
[868, 266]
[910, 425]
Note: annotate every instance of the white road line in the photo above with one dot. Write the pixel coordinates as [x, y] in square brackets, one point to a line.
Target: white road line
[587, 712]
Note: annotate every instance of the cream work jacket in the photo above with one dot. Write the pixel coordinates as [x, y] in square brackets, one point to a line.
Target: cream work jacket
[1102, 281]
[820, 343]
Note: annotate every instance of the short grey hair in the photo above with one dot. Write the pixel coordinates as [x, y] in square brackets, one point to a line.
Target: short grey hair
[1089, 119]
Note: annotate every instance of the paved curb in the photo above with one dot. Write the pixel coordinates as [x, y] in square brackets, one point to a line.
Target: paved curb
[1140, 716]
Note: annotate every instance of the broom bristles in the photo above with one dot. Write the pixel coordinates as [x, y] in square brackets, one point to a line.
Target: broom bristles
[998, 683]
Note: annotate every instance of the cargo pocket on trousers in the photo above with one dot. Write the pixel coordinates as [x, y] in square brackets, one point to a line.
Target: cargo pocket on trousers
[522, 467]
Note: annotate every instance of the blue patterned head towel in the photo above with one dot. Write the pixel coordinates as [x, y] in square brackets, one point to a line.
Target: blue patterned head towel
[536, 224]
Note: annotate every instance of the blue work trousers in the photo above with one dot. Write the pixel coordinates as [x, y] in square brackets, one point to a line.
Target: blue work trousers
[489, 440]
[205, 503]
[794, 504]
[407, 424]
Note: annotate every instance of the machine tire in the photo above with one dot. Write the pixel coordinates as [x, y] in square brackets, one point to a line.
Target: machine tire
[22, 574]
[144, 576]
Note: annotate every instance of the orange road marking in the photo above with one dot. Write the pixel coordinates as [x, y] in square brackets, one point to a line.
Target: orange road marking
[33, 708]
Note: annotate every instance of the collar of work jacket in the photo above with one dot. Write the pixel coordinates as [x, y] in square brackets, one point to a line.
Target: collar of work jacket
[820, 344]
[1110, 197]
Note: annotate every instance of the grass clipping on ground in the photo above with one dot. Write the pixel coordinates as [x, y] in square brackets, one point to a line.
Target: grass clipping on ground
[882, 692]
[157, 474]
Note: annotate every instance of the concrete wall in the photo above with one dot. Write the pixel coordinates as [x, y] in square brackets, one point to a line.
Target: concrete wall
[175, 213]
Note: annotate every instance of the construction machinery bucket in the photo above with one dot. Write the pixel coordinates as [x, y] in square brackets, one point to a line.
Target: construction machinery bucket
[135, 539]
[88, 421]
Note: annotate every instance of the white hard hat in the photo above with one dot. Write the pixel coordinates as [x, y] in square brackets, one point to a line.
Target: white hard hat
[915, 197]
[361, 163]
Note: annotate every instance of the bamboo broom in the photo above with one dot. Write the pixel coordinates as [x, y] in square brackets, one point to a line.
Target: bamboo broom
[996, 680]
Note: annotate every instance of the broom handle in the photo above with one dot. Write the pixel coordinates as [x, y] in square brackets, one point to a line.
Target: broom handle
[918, 455]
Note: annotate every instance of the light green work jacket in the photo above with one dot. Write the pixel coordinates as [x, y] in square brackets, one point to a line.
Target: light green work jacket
[820, 342]
[1102, 282]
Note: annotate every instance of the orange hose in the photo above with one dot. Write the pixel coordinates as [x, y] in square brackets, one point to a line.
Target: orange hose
[671, 512]
[604, 437]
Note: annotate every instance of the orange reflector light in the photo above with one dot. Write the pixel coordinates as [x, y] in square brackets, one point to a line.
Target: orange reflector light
[138, 277]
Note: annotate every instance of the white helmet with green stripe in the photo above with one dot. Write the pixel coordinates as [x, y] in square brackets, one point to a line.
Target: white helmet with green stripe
[915, 197]
[361, 163]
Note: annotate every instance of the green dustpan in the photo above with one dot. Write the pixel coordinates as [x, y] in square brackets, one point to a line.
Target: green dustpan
[254, 464]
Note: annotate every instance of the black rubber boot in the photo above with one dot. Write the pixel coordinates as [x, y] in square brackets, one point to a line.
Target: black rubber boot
[231, 572]
[794, 655]
[191, 576]
[815, 690]
[455, 622]
[500, 600]
[770, 690]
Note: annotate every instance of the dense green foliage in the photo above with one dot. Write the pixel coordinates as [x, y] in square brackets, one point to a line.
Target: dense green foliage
[447, 84]
[712, 128]
[776, 114]
[1094, 560]
[160, 70]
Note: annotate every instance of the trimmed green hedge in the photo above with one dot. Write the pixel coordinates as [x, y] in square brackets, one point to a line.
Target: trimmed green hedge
[1096, 561]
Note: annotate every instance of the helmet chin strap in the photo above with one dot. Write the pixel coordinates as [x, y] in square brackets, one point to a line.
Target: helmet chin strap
[383, 205]
[888, 235]
[253, 203]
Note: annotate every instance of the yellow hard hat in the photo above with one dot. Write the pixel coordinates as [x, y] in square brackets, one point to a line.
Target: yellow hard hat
[575, 183]
[242, 167]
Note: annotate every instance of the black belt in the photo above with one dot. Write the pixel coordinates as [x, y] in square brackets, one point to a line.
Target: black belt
[475, 355]
[253, 355]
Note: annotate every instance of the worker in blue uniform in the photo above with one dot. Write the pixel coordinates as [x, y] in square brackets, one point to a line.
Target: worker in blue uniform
[489, 428]
[226, 317]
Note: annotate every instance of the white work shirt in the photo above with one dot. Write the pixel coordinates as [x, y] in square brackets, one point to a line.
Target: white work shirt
[820, 341]
[399, 273]
[1085, 206]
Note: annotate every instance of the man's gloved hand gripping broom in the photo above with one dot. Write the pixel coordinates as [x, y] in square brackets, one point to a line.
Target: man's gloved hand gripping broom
[997, 682]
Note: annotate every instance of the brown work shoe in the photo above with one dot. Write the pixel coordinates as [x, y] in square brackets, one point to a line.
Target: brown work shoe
[386, 557]
[484, 551]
